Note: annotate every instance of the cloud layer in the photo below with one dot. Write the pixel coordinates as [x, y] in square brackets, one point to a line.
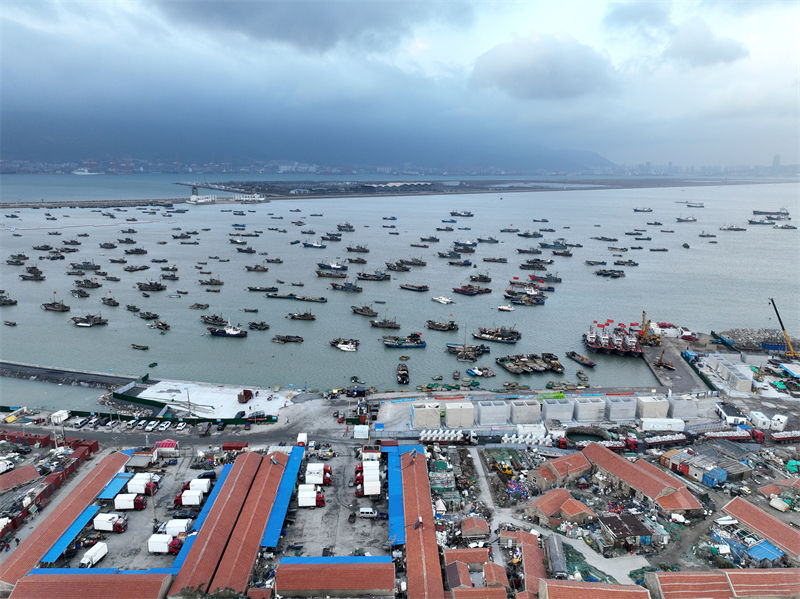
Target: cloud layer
[379, 82]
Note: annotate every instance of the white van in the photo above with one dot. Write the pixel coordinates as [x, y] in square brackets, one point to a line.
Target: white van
[367, 512]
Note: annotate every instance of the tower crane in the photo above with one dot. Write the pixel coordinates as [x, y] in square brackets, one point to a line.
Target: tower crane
[789, 349]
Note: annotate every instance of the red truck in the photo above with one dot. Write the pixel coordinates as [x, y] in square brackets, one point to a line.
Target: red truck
[737, 434]
[658, 441]
[786, 437]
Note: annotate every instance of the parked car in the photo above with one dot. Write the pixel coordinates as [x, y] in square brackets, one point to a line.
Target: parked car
[164, 425]
[151, 426]
[208, 474]
[221, 426]
[180, 426]
[141, 425]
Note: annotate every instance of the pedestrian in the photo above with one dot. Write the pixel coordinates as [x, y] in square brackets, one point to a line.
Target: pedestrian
[8, 547]
[16, 540]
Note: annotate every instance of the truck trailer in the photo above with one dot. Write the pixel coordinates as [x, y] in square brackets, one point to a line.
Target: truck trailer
[110, 523]
[95, 553]
[130, 501]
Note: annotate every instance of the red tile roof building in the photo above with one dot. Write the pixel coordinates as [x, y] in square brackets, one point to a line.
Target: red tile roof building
[778, 487]
[644, 479]
[92, 586]
[20, 476]
[725, 584]
[478, 593]
[558, 505]
[245, 540]
[424, 572]
[568, 589]
[495, 575]
[474, 558]
[532, 559]
[561, 470]
[59, 519]
[204, 556]
[474, 527]
[457, 574]
[766, 525]
[335, 580]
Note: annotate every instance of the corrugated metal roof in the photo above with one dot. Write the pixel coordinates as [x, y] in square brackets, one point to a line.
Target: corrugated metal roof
[424, 571]
[240, 554]
[397, 522]
[60, 517]
[115, 486]
[277, 514]
[18, 477]
[91, 586]
[766, 525]
[69, 535]
[321, 579]
[203, 558]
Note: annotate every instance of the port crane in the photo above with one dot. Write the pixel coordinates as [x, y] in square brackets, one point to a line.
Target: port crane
[646, 336]
[789, 349]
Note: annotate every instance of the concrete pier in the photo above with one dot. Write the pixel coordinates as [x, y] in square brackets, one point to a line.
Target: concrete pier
[49, 374]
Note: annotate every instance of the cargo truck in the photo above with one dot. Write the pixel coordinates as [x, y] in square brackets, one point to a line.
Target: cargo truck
[659, 441]
[175, 527]
[159, 543]
[200, 484]
[59, 417]
[188, 497]
[786, 437]
[110, 523]
[97, 552]
[309, 496]
[737, 434]
[130, 501]
[302, 439]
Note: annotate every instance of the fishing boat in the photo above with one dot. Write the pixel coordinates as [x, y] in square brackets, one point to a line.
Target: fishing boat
[686, 219]
[110, 301]
[301, 316]
[499, 335]
[347, 286]
[410, 287]
[552, 363]
[496, 260]
[287, 339]
[471, 290]
[211, 282]
[478, 350]
[357, 260]
[228, 331]
[429, 239]
[364, 311]
[213, 319]
[258, 326]
[581, 359]
[462, 213]
[140, 347]
[263, 289]
[732, 228]
[10, 323]
[331, 274]
[414, 340]
[90, 320]
[402, 374]
[642, 209]
[257, 268]
[581, 375]
[358, 249]
[376, 276]
[442, 326]
[385, 323]
[56, 306]
[318, 245]
[506, 308]
[332, 266]
[442, 299]
[348, 345]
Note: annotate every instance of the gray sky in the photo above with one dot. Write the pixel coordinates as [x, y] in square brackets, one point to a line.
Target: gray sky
[431, 82]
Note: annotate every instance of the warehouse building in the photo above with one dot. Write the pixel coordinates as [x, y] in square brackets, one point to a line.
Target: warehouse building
[560, 471]
[557, 506]
[725, 584]
[335, 577]
[766, 526]
[642, 479]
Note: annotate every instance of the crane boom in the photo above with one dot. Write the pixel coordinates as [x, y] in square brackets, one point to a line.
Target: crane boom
[789, 349]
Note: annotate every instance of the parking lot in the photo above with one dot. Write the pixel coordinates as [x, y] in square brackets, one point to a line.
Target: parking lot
[326, 530]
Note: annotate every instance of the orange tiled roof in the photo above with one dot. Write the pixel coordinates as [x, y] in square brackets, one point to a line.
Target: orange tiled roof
[768, 526]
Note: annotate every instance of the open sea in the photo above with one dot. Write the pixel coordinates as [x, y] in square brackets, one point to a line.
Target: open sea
[708, 286]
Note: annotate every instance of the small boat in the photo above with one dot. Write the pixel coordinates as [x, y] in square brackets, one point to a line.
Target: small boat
[384, 323]
[581, 359]
[402, 374]
[442, 326]
[347, 345]
[301, 316]
[9, 323]
[364, 311]
[414, 340]
[582, 375]
[442, 299]
[140, 347]
[414, 287]
[258, 326]
[506, 308]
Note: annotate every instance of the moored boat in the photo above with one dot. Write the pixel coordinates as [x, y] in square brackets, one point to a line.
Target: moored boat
[581, 359]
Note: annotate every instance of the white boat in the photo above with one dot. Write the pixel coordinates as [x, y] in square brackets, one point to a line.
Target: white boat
[84, 171]
[347, 347]
[506, 308]
[442, 299]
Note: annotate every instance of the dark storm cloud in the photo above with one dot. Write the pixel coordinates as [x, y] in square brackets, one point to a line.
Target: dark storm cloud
[695, 45]
[315, 25]
[544, 67]
[640, 16]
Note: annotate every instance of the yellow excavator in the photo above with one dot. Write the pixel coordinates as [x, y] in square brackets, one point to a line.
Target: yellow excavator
[790, 353]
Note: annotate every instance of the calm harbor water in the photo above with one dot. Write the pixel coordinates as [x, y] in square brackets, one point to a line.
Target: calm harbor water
[708, 286]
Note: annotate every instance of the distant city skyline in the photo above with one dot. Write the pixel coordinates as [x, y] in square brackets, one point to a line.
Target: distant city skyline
[523, 86]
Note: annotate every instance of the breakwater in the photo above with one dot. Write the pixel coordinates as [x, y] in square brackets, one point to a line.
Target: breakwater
[64, 376]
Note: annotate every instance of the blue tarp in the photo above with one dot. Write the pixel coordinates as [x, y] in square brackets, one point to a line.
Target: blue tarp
[73, 531]
[339, 559]
[201, 517]
[115, 486]
[278, 513]
[128, 452]
[397, 519]
[764, 550]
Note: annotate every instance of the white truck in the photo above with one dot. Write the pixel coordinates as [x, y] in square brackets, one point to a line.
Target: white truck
[174, 527]
[110, 523]
[130, 501]
[191, 497]
[200, 484]
[60, 416]
[159, 543]
[5, 466]
[314, 473]
[93, 555]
